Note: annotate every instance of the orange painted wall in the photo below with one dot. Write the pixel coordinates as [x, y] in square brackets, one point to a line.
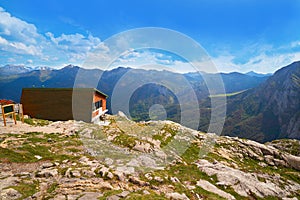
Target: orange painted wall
[98, 97]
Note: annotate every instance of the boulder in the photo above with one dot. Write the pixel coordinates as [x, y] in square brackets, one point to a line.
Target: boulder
[47, 165]
[212, 188]
[292, 161]
[91, 196]
[143, 147]
[246, 184]
[46, 173]
[138, 182]
[176, 196]
[10, 194]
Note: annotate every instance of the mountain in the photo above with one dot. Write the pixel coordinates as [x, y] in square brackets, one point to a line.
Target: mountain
[252, 73]
[13, 70]
[9, 70]
[233, 82]
[145, 160]
[156, 91]
[269, 111]
[65, 77]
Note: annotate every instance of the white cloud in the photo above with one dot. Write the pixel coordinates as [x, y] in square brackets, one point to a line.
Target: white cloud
[29, 61]
[262, 63]
[295, 44]
[11, 60]
[17, 29]
[19, 37]
[22, 38]
[18, 47]
[75, 46]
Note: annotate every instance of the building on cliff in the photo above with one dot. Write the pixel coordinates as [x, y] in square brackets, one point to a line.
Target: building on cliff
[60, 104]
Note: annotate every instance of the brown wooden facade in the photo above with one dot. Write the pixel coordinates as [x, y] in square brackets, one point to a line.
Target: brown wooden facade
[85, 104]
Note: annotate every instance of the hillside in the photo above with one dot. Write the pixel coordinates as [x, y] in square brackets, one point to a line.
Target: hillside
[20, 77]
[152, 160]
[156, 92]
[269, 111]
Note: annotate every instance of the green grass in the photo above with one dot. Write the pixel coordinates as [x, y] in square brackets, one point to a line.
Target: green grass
[25, 189]
[125, 140]
[140, 196]
[162, 137]
[287, 145]
[109, 193]
[226, 94]
[52, 188]
[36, 144]
[37, 122]
[191, 154]
[7, 155]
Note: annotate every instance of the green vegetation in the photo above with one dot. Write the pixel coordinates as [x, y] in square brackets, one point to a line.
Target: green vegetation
[287, 145]
[191, 154]
[34, 145]
[37, 122]
[52, 188]
[166, 134]
[226, 94]
[26, 189]
[141, 196]
[109, 193]
[125, 140]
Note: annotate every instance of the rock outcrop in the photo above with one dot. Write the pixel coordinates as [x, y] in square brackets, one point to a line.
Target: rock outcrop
[156, 159]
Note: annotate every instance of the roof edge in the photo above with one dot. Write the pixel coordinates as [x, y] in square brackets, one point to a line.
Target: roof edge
[68, 89]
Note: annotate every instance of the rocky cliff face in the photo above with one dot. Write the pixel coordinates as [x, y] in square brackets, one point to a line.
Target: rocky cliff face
[269, 111]
[146, 160]
[282, 96]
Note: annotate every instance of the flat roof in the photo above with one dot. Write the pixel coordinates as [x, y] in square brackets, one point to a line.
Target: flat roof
[67, 89]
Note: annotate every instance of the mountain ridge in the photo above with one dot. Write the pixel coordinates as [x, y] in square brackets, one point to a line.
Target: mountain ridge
[273, 108]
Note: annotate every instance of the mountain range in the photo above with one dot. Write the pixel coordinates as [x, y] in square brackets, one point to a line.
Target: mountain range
[15, 77]
[259, 107]
[9, 70]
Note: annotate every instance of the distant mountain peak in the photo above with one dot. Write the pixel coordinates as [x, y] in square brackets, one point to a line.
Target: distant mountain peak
[9, 69]
[71, 66]
[255, 74]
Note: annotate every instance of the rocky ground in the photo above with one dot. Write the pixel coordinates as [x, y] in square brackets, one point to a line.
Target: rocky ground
[146, 160]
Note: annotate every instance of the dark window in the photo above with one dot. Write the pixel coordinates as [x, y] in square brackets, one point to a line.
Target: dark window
[98, 104]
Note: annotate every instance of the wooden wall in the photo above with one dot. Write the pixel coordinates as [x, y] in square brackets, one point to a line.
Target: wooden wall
[56, 104]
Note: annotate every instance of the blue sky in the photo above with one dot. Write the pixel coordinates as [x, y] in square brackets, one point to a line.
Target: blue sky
[239, 35]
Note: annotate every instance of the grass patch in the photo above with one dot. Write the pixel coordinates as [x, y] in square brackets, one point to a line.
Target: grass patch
[7, 155]
[125, 140]
[32, 144]
[139, 196]
[191, 154]
[226, 94]
[109, 193]
[37, 122]
[26, 190]
[165, 135]
[52, 188]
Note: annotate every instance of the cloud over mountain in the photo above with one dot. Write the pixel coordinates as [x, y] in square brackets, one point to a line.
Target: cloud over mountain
[21, 39]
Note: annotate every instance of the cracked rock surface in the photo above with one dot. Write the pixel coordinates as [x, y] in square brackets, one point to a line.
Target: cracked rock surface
[145, 160]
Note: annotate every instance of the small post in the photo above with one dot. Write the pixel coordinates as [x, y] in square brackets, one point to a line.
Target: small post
[3, 115]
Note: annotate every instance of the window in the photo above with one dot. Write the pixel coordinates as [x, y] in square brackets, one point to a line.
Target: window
[98, 105]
